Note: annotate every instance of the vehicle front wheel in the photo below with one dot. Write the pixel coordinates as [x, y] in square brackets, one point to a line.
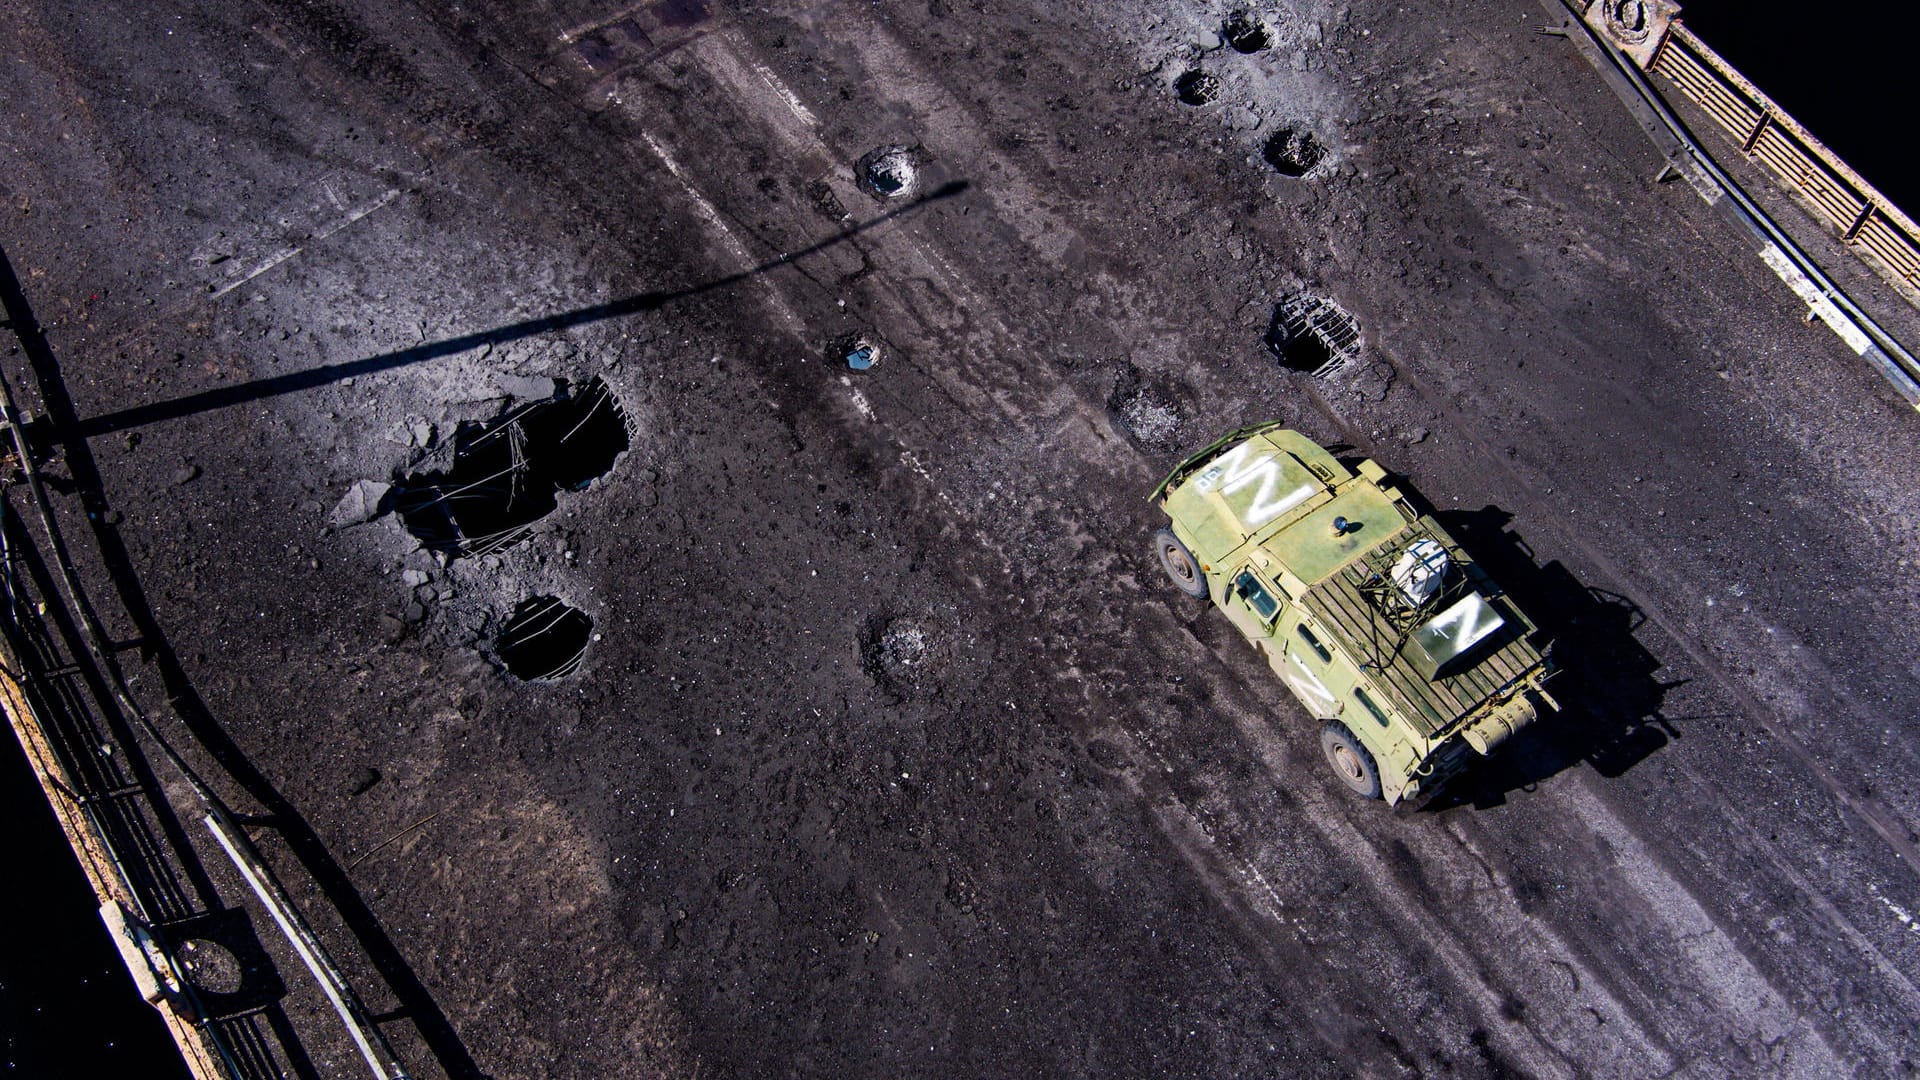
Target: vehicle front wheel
[1179, 563]
[1350, 760]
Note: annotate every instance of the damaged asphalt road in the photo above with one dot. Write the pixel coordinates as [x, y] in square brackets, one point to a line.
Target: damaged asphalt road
[886, 750]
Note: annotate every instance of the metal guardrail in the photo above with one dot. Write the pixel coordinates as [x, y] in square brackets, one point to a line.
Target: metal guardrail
[83, 742]
[1862, 218]
[1623, 39]
[111, 818]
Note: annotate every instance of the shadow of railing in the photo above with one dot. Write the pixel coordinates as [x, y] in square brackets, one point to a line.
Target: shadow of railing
[417, 1003]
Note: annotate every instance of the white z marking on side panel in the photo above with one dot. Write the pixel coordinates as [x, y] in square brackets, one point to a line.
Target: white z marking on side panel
[1307, 687]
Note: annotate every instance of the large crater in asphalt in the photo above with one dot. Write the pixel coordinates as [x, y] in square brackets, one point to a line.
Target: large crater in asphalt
[501, 477]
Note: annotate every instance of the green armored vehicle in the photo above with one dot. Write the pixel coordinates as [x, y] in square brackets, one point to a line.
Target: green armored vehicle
[1369, 612]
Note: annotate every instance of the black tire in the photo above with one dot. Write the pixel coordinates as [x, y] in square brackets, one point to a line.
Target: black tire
[1350, 761]
[1179, 564]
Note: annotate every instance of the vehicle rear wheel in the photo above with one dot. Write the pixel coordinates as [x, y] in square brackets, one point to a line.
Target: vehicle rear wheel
[1350, 760]
[1179, 563]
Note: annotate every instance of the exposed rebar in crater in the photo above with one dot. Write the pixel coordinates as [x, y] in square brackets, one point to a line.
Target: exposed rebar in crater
[543, 639]
[1293, 152]
[1196, 87]
[1313, 334]
[500, 477]
[1246, 33]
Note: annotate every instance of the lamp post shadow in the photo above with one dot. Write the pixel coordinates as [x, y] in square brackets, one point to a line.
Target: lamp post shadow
[292, 382]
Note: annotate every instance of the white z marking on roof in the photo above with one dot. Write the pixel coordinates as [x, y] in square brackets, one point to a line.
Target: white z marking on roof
[1240, 468]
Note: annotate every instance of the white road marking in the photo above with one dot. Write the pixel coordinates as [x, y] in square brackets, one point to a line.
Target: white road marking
[751, 81]
[1906, 917]
[912, 461]
[1723, 975]
[1621, 1015]
[284, 254]
[793, 100]
[711, 215]
[860, 401]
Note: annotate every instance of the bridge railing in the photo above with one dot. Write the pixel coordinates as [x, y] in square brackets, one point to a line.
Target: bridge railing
[1872, 227]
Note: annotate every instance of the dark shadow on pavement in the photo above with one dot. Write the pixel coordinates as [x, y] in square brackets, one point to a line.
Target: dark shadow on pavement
[225, 396]
[416, 1001]
[1607, 688]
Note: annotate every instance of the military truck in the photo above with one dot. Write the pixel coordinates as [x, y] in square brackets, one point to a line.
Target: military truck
[1413, 659]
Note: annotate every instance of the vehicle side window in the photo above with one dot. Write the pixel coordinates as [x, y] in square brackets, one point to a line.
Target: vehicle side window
[1367, 704]
[1313, 643]
[1256, 595]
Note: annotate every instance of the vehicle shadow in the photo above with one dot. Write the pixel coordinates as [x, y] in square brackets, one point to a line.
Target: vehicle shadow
[1609, 693]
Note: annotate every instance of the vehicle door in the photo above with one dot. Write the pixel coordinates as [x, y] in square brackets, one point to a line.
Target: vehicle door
[1326, 680]
[1253, 606]
[1309, 666]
